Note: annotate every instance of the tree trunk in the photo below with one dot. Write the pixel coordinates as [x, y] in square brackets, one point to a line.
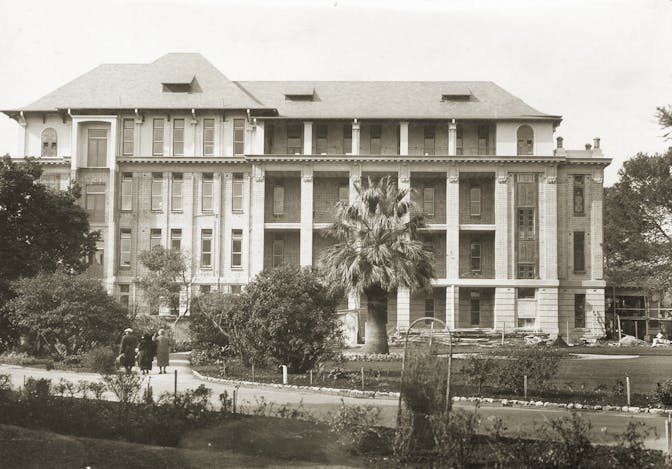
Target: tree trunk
[375, 336]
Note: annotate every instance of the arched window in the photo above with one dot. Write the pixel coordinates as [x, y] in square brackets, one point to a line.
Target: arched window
[49, 142]
[525, 140]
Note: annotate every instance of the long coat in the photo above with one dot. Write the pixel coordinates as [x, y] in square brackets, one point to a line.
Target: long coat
[162, 350]
[128, 344]
[146, 350]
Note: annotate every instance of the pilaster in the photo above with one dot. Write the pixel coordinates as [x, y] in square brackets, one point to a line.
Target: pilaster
[257, 195]
[452, 305]
[355, 179]
[258, 138]
[111, 203]
[355, 137]
[137, 142]
[452, 138]
[403, 138]
[505, 308]
[308, 138]
[501, 224]
[306, 233]
[452, 223]
[547, 310]
[403, 308]
[550, 228]
[596, 232]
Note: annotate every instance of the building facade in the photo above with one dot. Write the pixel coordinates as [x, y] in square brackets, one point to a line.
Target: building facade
[243, 176]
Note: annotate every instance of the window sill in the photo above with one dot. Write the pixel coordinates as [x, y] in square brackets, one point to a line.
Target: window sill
[579, 272]
[240, 268]
[237, 211]
[177, 211]
[206, 268]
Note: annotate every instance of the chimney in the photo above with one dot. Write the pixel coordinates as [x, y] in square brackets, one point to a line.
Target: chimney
[596, 143]
[559, 142]
[588, 146]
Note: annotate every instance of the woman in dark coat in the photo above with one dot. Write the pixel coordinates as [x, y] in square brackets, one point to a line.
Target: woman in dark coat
[146, 352]
[127, 352]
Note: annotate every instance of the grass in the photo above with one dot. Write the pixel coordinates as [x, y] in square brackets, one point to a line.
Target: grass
[260, 442]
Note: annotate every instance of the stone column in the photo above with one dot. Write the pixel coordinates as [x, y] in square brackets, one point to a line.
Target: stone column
[111, 206]
[596, 233]
[195, 141]
[547, 310]
[452, 305]
[453, 224]
[403, 293]
[306, 233]
[505, 308]
[307, 138]
[452, 138]
[355, 137]
[257, 196]
[258, 139]
[403, 138]
[549, 230]
[74, 152]
[502, 224]
[137, 142]
[22, 134]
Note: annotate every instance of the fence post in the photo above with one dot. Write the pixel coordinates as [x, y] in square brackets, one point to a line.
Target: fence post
[235, 398]
[175, 385]
[503, 329]
[627, 388]
[668, 434]
[284, 374]
[525, 385]
[362, 378]
[253, 372]
[311, 377]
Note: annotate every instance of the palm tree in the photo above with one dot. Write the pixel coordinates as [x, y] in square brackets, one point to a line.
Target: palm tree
[376, 251]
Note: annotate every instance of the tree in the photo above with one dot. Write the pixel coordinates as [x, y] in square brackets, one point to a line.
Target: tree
[638, 223]
[62, 310]
[376, 251]
[40, 229]
[166, 278]
[210, 317]
[285, 316]
[664, 115]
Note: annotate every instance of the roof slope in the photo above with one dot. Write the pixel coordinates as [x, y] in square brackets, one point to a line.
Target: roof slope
[394, 99]
[127, 86]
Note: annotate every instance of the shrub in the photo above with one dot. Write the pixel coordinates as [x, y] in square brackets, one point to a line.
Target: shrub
[209, 319]
[455, 438]
[126, 387]
[538, 364]
[38, 389]
[663, 392]
[147, 324]
[356, 428]
[568, 443]
[285, 316]
[630, 452]
[478, 370]
[101, 360]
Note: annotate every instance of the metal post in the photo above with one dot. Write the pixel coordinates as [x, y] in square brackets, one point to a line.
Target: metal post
[503, 329]
[311, 377]
[525, 386]
[362, 378]
[284, 374]
[235, 398]
[627, 388]
[175, 388]
[636, 331]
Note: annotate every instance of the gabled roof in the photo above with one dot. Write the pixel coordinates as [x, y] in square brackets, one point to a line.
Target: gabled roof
[394, 99]
[128, 86]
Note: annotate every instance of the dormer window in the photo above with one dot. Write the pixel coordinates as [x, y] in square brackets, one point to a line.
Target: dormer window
[176, 87]
[179, 82]
[49, 144]
[300, 93]
[459, 94]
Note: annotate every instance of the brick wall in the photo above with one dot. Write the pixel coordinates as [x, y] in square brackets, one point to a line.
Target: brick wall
[325, 197]
[439, 242]
[438, 182]
[291, 247]
[292, 186]
[487, 241]
[486, 301]
[418, 303]
[486, 181]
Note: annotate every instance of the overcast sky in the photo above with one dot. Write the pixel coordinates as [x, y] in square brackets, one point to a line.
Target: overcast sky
[603, 65]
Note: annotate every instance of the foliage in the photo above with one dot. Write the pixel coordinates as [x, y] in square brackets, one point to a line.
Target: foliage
[663, 392]
[572, 448]
[167, 276]
[357, 428]
[637, 228]
[145, 324]
[630, 451]
[664, 115]
[538, 364]
[190, 403]
[23, 359]
[478, 370]
[455, 437]
[101, 360]
[209, 316]
[376, 250]
[40, 229]
[66, 314]
[285, 316]
[125, 386]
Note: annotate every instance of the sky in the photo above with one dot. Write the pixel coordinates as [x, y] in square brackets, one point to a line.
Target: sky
[604, 65]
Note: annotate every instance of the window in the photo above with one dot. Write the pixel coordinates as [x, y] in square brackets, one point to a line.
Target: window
[376, 145]
[128, 137]
[344, 195]
[157, 192]
[49, 144]
[176, 239]
[579, 252]
[579, 196]
[475, 257]
[526, 244]
[294, 139]
[429, 307]
[580, 310]
[428, 201]
[237, 193]
[278, 200]
[154, 237]
[206, 249]
[95, 202]
[125, 247]
[97, 148]
[238, 136]
[207, 196]
[235, 289]
[321, 144]
[430, 135]
[483, 136]
[525, 140]
[475, 201]
[526, 293]
[347, 139]
[475, 308]
[208, 137]
[125, 296]
[157, 138]
[204, 289]
[278, 252]
[176, 196]
[126, 192]
[178, 137]
[459, 140]
[526, 229]
[526, 270]
[236, 249]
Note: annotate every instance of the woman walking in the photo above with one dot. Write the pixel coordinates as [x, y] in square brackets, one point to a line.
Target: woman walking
[162, 350]
[146, 352]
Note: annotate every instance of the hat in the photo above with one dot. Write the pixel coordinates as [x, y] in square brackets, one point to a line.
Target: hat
[128, 329]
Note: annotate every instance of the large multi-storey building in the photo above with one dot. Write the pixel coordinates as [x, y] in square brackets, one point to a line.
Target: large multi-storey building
[242, 176]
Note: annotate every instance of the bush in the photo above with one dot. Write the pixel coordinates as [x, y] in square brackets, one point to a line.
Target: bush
[538, 364]
[101, 360]
[357, 429]
[663, 392]
[285, 316]
[209, 314]
[146, 324]
[37, 389]
[478, 370]
[126, 387]
[455, 438]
